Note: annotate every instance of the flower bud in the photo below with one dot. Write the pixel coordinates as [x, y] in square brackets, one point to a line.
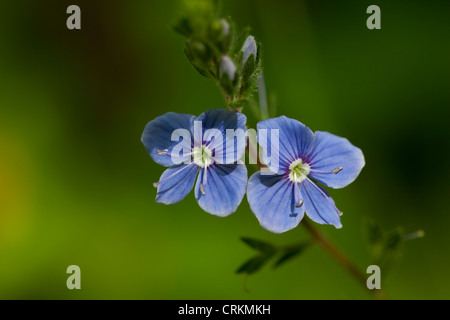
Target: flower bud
[248, 49]
[227, 66]
[198, 51]
[220, 34]
[224, 27]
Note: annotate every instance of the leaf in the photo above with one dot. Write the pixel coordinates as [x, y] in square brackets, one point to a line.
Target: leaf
[195, 64]
[393, 240]
[375, 234]
[248, 69]
[254, 264]
[290, 253]
[183, 27]
[239, 104]
[226, 84]
[259, 245]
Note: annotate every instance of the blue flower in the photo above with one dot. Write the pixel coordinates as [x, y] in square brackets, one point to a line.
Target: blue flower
[280, 196]
[209, 146]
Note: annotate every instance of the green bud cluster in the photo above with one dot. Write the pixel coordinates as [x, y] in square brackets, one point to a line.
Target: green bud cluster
[218, 53]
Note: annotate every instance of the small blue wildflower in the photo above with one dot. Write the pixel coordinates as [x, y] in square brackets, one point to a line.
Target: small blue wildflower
[210, 147]
[279, 199]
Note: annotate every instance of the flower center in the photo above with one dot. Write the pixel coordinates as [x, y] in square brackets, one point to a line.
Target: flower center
[202, 156]
[298, 171]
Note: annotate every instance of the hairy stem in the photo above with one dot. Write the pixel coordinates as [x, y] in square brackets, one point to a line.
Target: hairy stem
[263, 105]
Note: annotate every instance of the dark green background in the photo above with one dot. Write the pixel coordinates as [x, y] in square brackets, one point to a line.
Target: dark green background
[76, 183]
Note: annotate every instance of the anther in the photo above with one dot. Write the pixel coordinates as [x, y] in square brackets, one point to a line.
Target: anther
[162, 152]
[299, 204]
[337, 170]
[202, 190]
[156, 184]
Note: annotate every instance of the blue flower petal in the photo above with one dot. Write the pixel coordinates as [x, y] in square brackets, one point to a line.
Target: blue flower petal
[224, 189]
[272, 200]
[180, 180]
[158, 133]
[295, 141]
[331, 152]
[319, 205]
[228, 149]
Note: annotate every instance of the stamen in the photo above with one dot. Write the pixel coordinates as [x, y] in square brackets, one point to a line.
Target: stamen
[204, 180]
[156, 184]
[326, 197]
[183, 155]
[335, 171]
[162, 152]
[202, 156]
[297, 196]
[298, 171]
[202, 190]
[174, 156]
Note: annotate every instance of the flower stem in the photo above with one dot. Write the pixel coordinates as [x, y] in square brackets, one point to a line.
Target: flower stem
[263, 105]
[340, 258]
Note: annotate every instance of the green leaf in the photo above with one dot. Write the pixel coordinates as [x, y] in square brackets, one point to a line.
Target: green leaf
[248, 69]
[183, 27]
[239, 104]
[290, 253]
[196, 65]
[375, 234]
[199, 50]
[393, 240]
[254, 264]
[226, 84]
[259, 245]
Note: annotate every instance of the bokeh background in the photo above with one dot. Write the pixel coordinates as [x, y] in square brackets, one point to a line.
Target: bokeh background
[76, 183]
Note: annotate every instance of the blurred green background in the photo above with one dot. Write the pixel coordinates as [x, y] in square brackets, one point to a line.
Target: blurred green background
[76, 182]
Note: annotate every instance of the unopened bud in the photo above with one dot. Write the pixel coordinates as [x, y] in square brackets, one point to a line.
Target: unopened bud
[198, 51]
[220, 34]
[248, 49]
[225, 27]
[227, 66]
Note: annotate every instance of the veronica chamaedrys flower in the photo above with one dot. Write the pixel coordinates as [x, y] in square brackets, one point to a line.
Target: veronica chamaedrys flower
[210, 148]
[280, 199]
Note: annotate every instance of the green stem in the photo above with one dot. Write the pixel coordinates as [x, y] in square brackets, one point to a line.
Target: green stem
[262, 94]
[340, 258]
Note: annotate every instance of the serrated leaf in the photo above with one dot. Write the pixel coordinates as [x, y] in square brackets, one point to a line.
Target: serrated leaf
[259, 245]
[290, 253]
[254, 264]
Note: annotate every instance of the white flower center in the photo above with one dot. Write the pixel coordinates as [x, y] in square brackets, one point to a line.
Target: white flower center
[202, 156]
[298, 171]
